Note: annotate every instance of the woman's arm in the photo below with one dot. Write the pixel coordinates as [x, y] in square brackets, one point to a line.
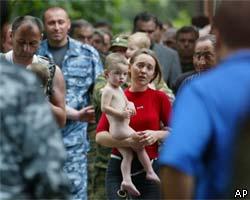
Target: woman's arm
[150, 136]
[105, 139]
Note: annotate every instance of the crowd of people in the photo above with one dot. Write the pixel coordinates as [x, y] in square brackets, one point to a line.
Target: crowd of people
[151, 113]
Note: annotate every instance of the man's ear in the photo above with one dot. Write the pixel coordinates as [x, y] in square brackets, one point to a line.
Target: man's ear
[41, 37]
[69, 25]
[106, 73]
[11, 35]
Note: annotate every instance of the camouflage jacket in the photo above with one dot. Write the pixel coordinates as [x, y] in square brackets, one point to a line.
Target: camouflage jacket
[32, 152]
[80, 67]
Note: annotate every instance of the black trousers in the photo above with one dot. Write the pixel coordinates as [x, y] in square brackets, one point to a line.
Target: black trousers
[148, 189]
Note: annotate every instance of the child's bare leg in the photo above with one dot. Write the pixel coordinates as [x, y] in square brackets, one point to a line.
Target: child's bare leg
[127, 183]
[145, 161]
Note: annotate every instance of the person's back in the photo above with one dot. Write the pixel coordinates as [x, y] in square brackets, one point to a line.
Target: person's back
[241, 163]
[214, 135]
[32, 152]
[218, 101]
[217, 104]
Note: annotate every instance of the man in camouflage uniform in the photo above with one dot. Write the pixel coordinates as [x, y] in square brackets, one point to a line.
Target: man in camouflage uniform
[80, 65]
[31, 148]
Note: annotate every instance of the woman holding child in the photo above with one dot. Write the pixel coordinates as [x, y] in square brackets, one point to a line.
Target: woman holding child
[152, 117]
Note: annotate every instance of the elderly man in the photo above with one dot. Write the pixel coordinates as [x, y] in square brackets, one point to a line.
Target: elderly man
[80, 65]
[203, 59]
[31, 148]
[26, 34]
[197, 156]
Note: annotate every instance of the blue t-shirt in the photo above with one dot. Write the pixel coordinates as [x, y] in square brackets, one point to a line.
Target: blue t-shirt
[204, 123]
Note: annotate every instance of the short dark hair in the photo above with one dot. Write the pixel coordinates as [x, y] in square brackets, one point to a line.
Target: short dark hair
[18, 21]
[4, 12]
[102, 23]
[100, 33]
[232, 22]
[54, 8]
[78, 24]
[145, 17]
[187, 29]
[200, 21]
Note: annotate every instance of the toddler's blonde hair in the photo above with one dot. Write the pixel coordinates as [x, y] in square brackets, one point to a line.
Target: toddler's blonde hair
[140, 39]
[114, 59]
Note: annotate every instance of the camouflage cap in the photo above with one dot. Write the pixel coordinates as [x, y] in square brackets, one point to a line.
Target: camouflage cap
[120, 41]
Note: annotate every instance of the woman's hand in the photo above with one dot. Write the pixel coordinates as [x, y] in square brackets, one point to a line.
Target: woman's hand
[134, 141]
[149, 137]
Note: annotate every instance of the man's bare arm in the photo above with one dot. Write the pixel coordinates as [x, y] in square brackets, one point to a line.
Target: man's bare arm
[175, 184]
[57, 100]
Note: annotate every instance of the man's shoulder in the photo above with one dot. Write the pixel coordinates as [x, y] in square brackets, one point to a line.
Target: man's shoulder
[75, 44]
[161, 47]
[43, 48]
[44, 43]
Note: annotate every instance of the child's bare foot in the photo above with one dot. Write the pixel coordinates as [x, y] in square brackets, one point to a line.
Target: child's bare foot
[152, 176]
[130, 188]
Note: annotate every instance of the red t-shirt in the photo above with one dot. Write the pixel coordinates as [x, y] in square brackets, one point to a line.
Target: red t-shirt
[152, 108]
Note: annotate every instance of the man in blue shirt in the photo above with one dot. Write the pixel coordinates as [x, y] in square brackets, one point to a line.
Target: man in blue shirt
[80, 64]
[197, 156]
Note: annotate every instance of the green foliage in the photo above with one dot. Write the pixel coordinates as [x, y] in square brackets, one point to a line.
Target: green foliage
[119, 12]
[182, 19]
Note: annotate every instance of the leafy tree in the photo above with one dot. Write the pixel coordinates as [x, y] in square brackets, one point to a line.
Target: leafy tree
[119, 12]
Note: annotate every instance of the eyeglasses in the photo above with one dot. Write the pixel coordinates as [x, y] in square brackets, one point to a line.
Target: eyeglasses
[205, 54]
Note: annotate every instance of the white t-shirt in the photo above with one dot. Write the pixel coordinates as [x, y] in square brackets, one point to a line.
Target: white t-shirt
[9, 57]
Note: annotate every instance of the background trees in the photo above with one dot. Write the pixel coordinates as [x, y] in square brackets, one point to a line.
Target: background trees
[119, 12]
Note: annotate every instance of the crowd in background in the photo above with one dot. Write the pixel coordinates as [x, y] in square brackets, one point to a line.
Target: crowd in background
[184, 98]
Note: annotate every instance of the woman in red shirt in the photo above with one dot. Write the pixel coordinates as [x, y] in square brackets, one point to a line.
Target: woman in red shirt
[152, 117]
